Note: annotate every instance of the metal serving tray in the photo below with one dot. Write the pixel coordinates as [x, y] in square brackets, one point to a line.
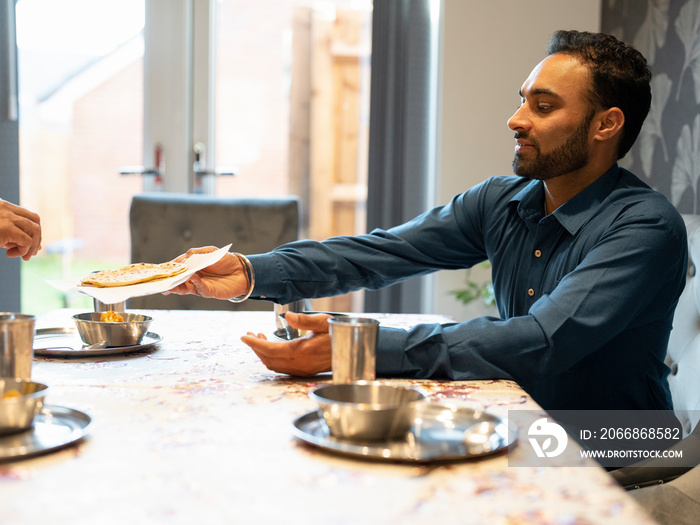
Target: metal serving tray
[65, 342]
[54, 428]
[439, 432]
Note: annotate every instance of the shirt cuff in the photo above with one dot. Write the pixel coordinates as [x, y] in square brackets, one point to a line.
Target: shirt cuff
[268, 276]
[391, 361]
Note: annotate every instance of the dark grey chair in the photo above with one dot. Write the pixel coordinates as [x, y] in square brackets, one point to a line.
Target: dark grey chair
[165, 225]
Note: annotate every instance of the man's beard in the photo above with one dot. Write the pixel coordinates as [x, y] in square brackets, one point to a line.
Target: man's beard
[568, 157]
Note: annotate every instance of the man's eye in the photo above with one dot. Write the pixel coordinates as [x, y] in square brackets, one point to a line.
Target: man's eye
[544, 107]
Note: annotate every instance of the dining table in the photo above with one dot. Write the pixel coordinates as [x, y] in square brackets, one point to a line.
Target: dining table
[192, 428]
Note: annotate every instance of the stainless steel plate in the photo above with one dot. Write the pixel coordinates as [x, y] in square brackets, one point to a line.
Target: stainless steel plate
[439, 432]
[54, 428]
[65, 342]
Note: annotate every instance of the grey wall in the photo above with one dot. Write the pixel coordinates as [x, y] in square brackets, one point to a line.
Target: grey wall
[489, 50]
[9, 152]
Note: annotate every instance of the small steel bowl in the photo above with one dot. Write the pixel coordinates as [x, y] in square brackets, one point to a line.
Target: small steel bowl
[128, 333]
[17, 411]
[367, 410]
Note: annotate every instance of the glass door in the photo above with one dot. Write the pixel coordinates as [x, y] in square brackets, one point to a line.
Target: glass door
[275, 91]
[80, 79]
[292, 110]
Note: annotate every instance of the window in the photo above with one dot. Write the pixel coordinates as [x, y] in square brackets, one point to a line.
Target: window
[80, 91]
[274, 90]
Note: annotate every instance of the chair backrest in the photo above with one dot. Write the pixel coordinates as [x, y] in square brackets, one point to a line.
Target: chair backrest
[683, 356]
[165, 225]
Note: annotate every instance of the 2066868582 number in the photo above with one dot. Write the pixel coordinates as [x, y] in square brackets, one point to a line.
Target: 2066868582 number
[673, 433]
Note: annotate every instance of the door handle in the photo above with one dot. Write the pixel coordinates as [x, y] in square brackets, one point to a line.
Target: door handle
[199, 167]
[156, 171]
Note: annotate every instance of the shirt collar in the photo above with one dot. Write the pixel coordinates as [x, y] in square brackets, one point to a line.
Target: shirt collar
[576, 212]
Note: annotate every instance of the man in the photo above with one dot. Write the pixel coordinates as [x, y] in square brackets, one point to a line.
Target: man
[587, 261]
[20, 231]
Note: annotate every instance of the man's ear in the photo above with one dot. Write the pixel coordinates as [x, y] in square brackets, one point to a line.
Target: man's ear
[609, 124]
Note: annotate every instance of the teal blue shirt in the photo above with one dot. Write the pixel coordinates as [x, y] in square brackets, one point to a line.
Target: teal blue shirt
[585, 295]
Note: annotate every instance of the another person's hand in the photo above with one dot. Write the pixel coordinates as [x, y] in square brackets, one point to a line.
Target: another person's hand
[305, 356]
[225, 279]
[20, 231]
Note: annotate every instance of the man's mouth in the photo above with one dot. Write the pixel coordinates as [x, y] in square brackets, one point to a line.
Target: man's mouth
[522, 144]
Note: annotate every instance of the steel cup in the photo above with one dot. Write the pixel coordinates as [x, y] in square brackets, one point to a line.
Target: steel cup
[104, 307]
[282, 326]
[16, 345]
[353, 348]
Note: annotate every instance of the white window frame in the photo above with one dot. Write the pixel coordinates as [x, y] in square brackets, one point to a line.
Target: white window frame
[179, 96]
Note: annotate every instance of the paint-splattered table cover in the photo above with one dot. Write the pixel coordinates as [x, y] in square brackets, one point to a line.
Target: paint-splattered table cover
[195, 429]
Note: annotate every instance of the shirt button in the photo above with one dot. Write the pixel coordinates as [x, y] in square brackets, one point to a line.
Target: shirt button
[531, 292]
[538, 253]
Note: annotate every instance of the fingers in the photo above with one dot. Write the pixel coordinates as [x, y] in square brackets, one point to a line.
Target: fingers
[14, 250]
[192, 251]
[202, 249]
[197, 286]
[318, 323]
[23, 212]
[34, 227]
[20, 231]
[302, 357]
[261, 345]
[224, 279]
[273, 355]
[185, 288]
[23, 245]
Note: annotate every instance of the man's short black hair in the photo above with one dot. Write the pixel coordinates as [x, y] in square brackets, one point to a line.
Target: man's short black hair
[620, 77]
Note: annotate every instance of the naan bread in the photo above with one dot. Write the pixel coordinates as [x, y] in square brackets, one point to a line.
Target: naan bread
[133, 274]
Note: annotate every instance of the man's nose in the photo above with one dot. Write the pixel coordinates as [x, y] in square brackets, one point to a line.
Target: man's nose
[519, 120]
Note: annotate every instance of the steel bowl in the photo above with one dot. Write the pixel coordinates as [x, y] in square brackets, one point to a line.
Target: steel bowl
[367, 410]
[20, 401]
[128, 333]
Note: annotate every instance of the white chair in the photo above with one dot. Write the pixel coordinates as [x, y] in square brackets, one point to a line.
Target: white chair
[683, 355]
[672, 494]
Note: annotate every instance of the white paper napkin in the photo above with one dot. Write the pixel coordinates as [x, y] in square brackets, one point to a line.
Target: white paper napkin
[117, 294]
